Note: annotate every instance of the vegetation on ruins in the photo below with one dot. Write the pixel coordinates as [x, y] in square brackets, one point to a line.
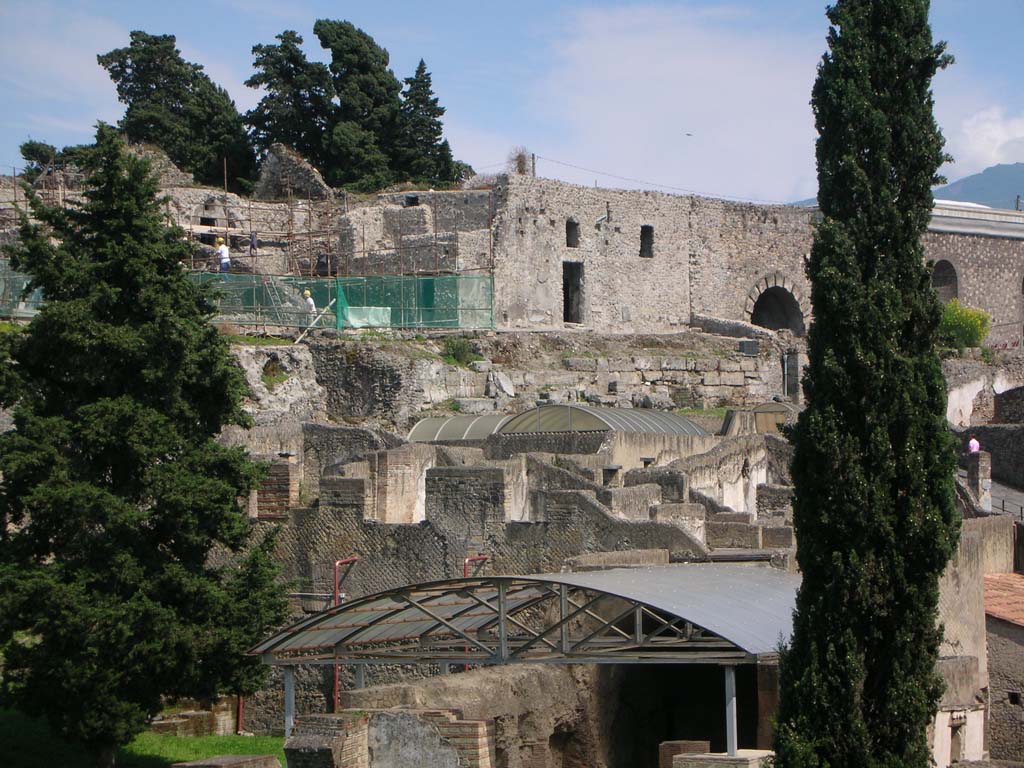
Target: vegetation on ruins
[174, 104]
[963, 326]
[873, 466]
[40, 155]
[121, 574]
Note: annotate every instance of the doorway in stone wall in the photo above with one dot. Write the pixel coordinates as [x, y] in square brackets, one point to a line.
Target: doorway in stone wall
[572, 292]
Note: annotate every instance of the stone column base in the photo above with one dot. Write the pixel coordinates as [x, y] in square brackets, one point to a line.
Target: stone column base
[745, 758]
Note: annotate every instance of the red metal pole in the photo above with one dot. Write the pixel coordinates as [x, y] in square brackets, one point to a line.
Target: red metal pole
[240, 715]
[349, 561]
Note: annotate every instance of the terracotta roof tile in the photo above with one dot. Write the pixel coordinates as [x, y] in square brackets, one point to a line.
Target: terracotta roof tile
[1004, 597]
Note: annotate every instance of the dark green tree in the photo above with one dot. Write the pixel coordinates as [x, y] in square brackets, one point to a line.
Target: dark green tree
[361, 143]
[420, 152]
[39, 155]
[115, 493]
[297, 109]
[172, 103]
[873, 465]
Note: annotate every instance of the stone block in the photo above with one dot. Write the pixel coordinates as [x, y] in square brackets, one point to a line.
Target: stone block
[744, 758]
[620, 364]
[777, 537]
[480, 366]
[733, 535]
[667, 750]
[646, 363]
[729, 365]
[676, 364]
[712, 379]
[580, 363]
[732, 379]
[706, 364]
[232, 761]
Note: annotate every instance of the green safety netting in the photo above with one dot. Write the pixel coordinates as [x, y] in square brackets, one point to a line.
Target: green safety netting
[457, 301]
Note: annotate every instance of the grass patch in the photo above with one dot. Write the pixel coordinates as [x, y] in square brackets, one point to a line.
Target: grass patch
[451, 405]
[27, 742]
[257, 341]
[272, 379]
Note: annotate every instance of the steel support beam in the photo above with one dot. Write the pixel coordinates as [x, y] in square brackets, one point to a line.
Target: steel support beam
[730, 711]
[289, 700]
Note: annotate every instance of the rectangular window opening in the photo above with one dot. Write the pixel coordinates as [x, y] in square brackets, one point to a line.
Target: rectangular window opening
[647, 241]
[572, 233]
[572, 292]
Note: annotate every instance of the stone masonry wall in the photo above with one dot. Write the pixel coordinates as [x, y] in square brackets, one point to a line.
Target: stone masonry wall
[1006, 676]
[989, 277]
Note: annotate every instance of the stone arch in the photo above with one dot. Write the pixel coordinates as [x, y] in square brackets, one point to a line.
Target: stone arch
[776, 302]
[216, 212]
[944, 281]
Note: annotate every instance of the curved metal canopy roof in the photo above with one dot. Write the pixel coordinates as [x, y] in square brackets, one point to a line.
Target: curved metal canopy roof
[453, 428]
[694, 613]
[554, 418]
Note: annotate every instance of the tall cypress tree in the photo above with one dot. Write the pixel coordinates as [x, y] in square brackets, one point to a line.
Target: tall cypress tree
[873, 466]
[114, 491]
[419, 146]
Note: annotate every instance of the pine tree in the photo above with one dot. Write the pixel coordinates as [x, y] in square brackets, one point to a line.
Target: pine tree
[115, 492]
[873, 465]
[172, 103]
[297, 109]
[361, 141]
[419, 147]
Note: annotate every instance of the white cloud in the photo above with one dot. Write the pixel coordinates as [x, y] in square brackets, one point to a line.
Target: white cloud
[630, 83]
[984, 138]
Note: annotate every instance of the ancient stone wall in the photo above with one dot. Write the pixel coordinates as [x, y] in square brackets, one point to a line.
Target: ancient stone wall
[962, 605]
[1006, 689]
[1009, 407]
[989, 277]
[1006, 444]
[730, 472]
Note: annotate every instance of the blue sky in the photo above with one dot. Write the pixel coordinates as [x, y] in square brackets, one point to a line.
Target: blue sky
[612, 87]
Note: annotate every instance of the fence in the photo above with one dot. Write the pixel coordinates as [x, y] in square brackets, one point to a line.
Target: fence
[457, 301]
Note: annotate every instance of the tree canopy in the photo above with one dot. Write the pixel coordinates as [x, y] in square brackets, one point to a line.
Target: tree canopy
[297, 109]
[421, 153]
[873, 466]
[115, 494]
[172, 103]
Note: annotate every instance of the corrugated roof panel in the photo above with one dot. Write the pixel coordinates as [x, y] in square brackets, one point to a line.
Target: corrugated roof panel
[456, 428]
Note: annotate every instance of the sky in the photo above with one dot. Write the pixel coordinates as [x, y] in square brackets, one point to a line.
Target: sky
[705, 96]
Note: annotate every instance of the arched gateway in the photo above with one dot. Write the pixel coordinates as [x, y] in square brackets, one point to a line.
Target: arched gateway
[776, 302]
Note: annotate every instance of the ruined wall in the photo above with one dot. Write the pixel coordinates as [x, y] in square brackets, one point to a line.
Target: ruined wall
[730, 472]
[962, 605]
[1006, 445]
[989, 277]
[1006, 689]
[1009, 407]
[622, 290]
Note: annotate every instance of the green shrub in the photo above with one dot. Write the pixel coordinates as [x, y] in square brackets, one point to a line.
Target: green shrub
[963, 326]
[457, 351]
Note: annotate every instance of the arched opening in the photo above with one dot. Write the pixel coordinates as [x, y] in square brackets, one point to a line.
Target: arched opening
[777, 309]
[944, 281]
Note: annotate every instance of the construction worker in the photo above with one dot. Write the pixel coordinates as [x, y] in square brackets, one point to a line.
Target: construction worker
[224, 255]
[310, 306]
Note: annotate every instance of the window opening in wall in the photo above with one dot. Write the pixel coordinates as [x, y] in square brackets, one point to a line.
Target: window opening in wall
[944, 281]
[777, 308]
[572, 292]
[647, 241]
[572, 233]
[1014, 697]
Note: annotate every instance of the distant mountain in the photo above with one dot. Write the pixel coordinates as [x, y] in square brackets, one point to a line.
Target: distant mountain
[996, 187]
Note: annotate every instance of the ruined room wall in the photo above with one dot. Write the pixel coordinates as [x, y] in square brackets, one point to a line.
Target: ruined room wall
[962, 605]
[399, 476]
[730, 472]
[1006, 676]
[1006, 444]
[623, 291]
[989, 277]
[326, 445]
[996, 541]
[736, 246]
[1009, 407]
[629, 449]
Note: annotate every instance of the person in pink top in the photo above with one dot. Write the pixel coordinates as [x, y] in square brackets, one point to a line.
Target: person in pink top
[973, 446]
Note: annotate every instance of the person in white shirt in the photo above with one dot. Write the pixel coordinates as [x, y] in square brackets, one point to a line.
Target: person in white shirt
[310, 306]
[224, 255]
[973, 446]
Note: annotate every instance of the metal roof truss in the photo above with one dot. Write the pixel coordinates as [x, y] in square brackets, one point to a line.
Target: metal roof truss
[497, 620]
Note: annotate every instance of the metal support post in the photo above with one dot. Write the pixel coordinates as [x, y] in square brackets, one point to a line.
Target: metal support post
[289, 700]
[730, 710]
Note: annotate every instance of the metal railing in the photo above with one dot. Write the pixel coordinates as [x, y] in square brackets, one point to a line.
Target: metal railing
[1004, 507]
